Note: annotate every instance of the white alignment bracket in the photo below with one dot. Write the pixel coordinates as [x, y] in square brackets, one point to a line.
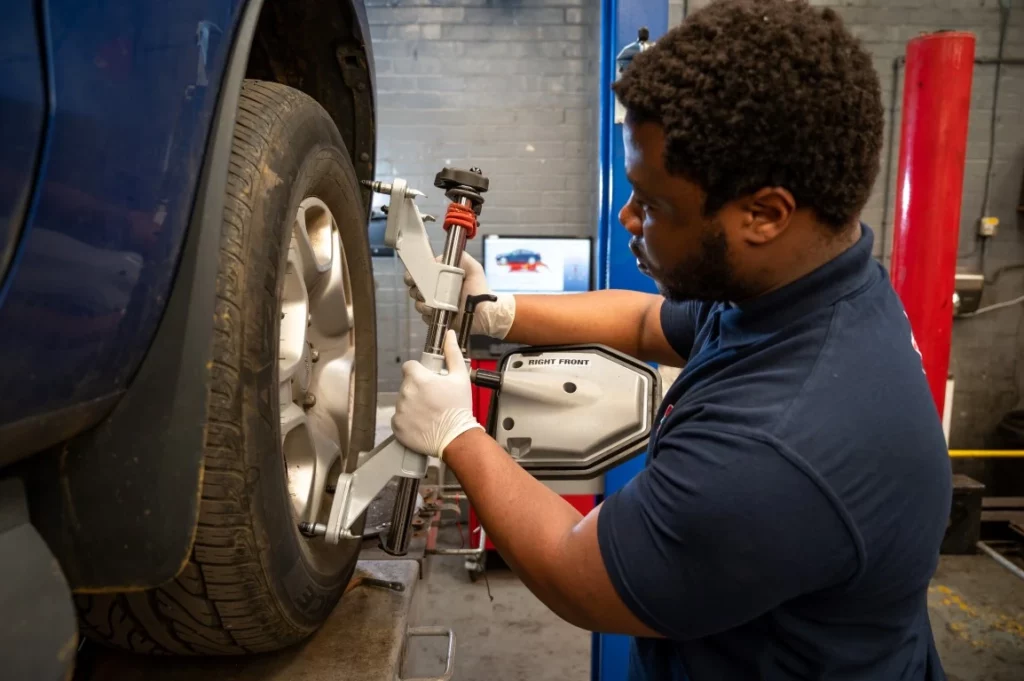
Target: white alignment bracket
[357, 489]
[441, 285]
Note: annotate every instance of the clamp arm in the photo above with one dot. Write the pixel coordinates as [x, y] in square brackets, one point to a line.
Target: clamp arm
[440, 284]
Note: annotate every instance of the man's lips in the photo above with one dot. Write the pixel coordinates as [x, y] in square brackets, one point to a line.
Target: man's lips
[641, 262]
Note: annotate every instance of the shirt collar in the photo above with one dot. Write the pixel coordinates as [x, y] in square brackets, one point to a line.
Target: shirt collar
[763, 316]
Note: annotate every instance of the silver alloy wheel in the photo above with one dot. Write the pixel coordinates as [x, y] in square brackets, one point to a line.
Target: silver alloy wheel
[316, 360]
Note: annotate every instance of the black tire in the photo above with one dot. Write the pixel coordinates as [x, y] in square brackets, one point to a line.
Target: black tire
[251, 584]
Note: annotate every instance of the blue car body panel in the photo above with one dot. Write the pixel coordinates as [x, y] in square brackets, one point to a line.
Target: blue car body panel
[22, 118]
[134, 86]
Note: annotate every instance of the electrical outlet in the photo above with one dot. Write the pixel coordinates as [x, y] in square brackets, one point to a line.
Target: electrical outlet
[987, 227]
[967, 293]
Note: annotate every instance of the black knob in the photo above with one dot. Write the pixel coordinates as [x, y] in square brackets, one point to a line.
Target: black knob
[450, 178]
[473, 301]
[644, 34]
[486, 379]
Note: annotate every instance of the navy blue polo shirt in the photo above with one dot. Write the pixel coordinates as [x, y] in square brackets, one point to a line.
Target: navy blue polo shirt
[789, 518]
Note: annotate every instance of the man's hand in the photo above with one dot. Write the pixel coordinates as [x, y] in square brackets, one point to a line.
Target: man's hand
[434, 409]
[491, 319]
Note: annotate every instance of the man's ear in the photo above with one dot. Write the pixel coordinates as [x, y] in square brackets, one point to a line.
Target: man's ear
[768, 212]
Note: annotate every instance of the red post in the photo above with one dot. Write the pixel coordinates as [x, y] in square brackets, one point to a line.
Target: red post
[933, 144]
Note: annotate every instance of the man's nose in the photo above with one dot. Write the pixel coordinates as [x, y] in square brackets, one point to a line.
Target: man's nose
[630, 218]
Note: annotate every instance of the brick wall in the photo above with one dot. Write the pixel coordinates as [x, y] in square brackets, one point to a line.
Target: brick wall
[510, 87]
[483, 81]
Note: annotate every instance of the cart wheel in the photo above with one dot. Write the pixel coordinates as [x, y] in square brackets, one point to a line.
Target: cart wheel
[475, 567]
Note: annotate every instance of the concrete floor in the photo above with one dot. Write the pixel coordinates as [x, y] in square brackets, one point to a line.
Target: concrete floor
[977, 614]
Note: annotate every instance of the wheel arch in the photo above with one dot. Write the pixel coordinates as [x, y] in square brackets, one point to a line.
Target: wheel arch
[324, 50]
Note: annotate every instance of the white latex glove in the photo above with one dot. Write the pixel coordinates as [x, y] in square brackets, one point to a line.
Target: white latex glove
[434, 409]
[491, 319]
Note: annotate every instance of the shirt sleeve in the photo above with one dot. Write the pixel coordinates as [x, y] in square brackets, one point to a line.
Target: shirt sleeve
[718, 530]
[679, 324]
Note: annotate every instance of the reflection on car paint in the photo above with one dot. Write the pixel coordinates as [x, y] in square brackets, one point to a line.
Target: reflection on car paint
[134, 90]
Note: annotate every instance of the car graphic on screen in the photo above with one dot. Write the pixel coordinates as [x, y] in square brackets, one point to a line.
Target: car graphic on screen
[521, 256]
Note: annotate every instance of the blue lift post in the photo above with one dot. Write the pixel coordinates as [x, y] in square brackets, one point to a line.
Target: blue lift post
[616, 266]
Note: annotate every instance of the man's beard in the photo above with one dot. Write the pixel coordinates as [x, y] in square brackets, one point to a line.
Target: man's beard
[706, 276]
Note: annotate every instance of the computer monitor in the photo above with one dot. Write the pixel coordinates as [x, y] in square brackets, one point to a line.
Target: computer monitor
[537, 264]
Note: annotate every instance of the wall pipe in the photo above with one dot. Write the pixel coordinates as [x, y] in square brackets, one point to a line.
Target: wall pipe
[926, 225]
[1001, 559]
[894, 91]
[887, 187]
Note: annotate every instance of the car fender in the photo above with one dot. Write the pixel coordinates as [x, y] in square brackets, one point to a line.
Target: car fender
[118, 504]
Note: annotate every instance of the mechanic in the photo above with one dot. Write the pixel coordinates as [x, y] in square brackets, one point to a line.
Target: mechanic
[789, 518]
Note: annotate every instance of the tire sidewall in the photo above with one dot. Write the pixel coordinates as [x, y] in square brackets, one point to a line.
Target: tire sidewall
[306, 157]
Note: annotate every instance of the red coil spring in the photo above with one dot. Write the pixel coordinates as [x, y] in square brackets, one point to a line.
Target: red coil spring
[462, 216]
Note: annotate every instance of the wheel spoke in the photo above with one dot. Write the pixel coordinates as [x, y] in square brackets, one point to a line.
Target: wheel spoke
[331, 298]
[334, 382]
[327, 452]
[299, 449]
[312, 233]
[294, 317]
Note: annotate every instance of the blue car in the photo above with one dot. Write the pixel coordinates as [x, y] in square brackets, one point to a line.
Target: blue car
[520, 256]
[187, 324]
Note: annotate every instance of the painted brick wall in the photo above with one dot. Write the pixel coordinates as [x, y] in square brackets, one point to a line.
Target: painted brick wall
[510, 87]
[486, 81]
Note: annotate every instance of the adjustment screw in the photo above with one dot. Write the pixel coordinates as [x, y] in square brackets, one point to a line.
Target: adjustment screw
[309, 401]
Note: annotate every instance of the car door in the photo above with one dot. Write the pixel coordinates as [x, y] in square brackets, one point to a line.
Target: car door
[22, 119]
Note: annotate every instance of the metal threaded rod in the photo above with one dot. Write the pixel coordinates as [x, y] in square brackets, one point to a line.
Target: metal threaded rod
[396, 542]
[387, 188]
[377, 186]
[441, 321]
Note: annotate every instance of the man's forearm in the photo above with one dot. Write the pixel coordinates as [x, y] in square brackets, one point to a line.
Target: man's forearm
[628, 321]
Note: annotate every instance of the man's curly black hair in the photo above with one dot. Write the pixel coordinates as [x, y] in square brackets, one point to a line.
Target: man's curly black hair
[759, 93]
